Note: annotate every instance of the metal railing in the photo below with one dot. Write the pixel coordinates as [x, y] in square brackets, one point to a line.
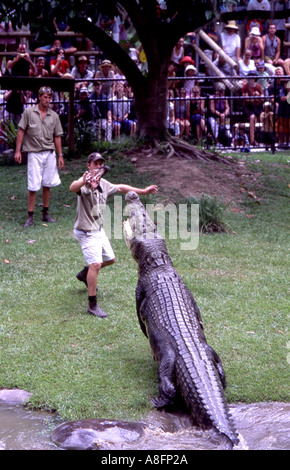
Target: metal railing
[250, 122]
[246, 122]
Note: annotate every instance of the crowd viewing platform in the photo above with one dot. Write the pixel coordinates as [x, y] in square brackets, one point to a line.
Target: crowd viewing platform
[228, 84]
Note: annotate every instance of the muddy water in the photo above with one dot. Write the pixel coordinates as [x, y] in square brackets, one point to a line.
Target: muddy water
[262, 426]
[21, 429]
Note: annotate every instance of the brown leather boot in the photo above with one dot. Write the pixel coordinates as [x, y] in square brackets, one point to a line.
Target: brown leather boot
[95, 310]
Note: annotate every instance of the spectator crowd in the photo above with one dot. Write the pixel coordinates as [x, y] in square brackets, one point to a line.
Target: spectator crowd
[228, 86]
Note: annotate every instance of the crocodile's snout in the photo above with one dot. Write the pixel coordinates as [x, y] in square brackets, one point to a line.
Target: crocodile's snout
[131, 197]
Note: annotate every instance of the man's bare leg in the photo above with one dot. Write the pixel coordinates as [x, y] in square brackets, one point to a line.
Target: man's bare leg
[31, 205]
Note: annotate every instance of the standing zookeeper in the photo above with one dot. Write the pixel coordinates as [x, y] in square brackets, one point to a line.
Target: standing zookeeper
[39, 134]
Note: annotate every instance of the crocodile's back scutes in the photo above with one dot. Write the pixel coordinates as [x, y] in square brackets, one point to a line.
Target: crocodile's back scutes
[169, 307]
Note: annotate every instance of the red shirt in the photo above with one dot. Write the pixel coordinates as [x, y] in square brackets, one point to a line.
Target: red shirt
[63, 65]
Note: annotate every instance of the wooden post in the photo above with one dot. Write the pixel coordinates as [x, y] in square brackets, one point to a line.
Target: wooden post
[217, 71]
[217, 48]
[71, 116]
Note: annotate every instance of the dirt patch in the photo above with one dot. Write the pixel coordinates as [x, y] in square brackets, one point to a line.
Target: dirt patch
[177, 175]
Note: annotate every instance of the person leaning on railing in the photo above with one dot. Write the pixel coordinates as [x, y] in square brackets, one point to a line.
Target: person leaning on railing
[40, 70]
[219, 110]
[283, 114]
[252, 103]
[197, 111]
[100, 108]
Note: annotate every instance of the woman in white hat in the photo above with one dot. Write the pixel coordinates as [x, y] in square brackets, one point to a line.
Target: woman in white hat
[255, 44]
[106, 70]
[189, 72]
[231, 41]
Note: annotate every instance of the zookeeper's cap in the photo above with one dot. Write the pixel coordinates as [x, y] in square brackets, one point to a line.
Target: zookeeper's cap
[93, 157]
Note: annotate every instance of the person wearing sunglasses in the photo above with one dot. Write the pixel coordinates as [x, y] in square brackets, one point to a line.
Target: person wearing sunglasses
[39, 134]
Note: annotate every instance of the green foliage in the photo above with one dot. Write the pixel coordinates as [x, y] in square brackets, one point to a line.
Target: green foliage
[85, 133]
[211, 213]
[9, 133]
[189, 12]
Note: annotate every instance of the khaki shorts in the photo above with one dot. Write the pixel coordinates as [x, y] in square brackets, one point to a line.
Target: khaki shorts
[95, 245]
[42, 170]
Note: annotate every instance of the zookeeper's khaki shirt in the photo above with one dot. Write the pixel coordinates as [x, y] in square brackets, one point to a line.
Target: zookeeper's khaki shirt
[39, 133]
[91, 205]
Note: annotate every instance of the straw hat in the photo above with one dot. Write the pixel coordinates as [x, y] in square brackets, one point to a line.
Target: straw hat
[106, 63]
[231, 25]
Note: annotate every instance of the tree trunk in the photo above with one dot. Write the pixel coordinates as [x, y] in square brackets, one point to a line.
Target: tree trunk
[150, 92]
[151, 107]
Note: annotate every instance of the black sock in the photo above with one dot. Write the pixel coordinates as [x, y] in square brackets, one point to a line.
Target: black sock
[93, 299]
[30, 213]
[45, 210]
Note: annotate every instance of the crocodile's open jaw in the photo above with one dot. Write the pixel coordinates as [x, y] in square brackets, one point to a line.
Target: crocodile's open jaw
[128, 233]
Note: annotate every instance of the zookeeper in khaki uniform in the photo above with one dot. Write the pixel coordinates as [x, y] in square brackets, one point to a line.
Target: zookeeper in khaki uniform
[39, 134]
[88, 226]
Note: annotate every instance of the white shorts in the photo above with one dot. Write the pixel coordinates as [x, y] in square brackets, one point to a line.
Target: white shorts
[42, 170]
[95, 245]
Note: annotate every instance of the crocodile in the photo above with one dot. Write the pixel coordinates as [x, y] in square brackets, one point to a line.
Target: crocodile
[170, 318]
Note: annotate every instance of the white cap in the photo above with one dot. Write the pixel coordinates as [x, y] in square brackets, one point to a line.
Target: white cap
[255, 31]
[190, 67]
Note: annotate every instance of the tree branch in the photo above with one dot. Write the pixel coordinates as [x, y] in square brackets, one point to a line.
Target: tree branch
[110, 47]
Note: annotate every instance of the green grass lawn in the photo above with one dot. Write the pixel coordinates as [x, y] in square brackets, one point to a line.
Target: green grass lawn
[85, 367]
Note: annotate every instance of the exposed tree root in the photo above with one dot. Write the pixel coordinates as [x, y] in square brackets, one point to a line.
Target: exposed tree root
[175, 146]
